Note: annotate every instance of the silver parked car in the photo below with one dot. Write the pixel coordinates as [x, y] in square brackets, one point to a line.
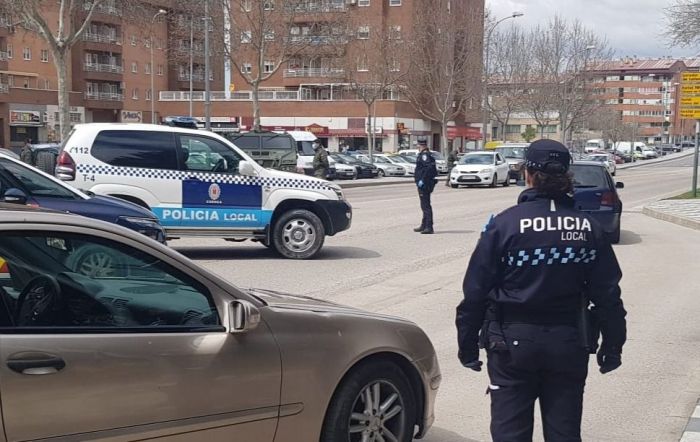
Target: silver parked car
[153, 346]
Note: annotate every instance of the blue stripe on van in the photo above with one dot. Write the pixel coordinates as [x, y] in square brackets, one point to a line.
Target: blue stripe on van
[212, 217]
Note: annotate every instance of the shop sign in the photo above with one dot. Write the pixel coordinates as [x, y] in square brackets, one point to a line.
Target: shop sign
[131, 117]
[25, 118]
[317, 129]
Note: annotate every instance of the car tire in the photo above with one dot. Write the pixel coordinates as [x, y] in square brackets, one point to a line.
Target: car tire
[454, 186]
[506, 183]
[96, 261]
[494, 181]
[298, 234]
[349, 400]
[46, 162]
[381, 173]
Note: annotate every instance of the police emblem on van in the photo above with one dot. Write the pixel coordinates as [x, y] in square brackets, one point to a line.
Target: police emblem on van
[214, 194]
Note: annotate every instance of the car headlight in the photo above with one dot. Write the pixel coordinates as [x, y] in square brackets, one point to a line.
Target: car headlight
[338, 193]
[485, 171]
[515, 166]
[454, 171]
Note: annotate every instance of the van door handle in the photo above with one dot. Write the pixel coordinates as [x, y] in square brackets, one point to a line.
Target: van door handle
[36, 364]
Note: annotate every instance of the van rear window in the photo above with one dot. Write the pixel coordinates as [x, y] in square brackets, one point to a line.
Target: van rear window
[131, 148]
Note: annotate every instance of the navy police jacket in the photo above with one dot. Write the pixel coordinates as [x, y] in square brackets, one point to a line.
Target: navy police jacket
[426, 169]
[535, 261]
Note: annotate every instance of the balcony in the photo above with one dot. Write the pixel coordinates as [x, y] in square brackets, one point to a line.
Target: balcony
[102, 38]
[315, 7]
[314, 73]
[3, 56]
[103, 8]
[104, 96]
[317, 40]
[102, 67]
[4, 88]
[186, 77]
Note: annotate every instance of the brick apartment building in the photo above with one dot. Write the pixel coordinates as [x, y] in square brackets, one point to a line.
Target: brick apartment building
[646, 93]
[110, 72]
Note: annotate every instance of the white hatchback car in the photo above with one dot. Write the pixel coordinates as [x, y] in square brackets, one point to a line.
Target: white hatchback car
[479, 168]
[605, 159]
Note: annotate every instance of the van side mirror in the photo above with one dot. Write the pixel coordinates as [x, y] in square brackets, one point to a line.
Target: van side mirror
[619, 185]
[245, 168]
[15, 196]
[243, 316]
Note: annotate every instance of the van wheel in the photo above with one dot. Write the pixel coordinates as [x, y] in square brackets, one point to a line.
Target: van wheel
[374, 402]
[298, 234]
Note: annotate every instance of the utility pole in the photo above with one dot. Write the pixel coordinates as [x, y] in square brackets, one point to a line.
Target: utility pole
[207, 102]
[191, 60]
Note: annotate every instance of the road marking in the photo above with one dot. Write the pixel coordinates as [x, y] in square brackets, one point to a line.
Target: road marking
[692, 430]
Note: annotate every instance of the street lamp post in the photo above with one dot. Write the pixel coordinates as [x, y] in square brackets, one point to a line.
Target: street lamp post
[484, 100]
[564, 122]
[153, 92]
[207, 98]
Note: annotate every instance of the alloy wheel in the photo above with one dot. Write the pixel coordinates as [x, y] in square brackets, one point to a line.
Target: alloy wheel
[378, 414]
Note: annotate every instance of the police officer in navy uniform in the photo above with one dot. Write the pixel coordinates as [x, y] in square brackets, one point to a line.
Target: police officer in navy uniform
[540, 271]
[425, 174]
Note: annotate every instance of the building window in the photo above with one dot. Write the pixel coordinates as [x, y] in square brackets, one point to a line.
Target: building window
[147, 43]
[135, 94]
[246, 5]
[11, 80]
[269, 35]
[149, 95]
[147, 69]
[246, 36]
[395, 32]
[394, 2]
[9, 50]
[27, 54]
[395, 65]
[47, 83]
[246, 68]
[363, 32]
[160, 69]
[268, 67]
[269, 5]
[133, 40]
[512, 128]
[362, 65]
[362, 2]
[44, 56]
[134, 67]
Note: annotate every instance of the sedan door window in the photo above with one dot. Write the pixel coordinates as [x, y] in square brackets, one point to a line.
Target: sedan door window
[80, 282]
[33, 182]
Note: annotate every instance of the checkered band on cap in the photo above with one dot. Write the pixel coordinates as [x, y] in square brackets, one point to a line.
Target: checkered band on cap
[221, 178]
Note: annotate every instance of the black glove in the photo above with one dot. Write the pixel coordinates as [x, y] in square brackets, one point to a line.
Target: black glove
[608, 361]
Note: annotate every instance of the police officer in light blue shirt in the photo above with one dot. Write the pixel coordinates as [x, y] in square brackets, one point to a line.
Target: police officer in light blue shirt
[540, 271]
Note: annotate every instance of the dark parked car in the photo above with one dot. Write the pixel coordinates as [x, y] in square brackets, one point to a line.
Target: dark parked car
[22, 184]
[685, 145]
[364, 170]
[595, 192]
[44, 156]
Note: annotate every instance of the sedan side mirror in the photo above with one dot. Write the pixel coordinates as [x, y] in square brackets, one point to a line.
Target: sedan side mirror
[243, 316]
[619, 185]
[245, 168]
[15, 196]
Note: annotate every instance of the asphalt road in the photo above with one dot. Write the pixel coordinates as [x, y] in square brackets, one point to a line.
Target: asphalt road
[381, 265]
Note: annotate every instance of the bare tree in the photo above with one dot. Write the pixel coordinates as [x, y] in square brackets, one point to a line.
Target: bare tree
[561, 52]
[683, 22]
[444, 74]
[73, 19]
[373, 69]
[610, 124]
[265, 35]
[509, 74]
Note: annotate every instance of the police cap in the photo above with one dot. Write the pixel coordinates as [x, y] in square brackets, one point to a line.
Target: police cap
[548, 156]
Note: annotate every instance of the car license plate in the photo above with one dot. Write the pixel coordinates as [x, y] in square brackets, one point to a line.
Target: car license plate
[468, 178]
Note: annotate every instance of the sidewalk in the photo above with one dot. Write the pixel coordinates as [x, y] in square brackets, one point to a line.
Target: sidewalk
[683, 212]
[663, 159]
[692, 431]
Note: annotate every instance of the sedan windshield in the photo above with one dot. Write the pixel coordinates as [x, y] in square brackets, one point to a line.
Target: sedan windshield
[512, 152]
[589, 176]
[346, 159]
[479, 158]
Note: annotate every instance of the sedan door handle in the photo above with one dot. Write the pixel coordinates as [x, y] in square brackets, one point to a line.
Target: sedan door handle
[36, 364]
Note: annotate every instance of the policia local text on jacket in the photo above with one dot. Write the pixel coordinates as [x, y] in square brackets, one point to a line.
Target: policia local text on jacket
[533, 268]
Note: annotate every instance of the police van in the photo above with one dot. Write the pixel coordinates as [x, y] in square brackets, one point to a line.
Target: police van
[199, 184]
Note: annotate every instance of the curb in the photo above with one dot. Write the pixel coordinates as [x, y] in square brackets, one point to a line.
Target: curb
[664, 159]
[675, 219]
[378, 182]
[692, 430]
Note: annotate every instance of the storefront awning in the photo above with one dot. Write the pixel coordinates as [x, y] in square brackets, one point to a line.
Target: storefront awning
[471, 133]
[359, 133]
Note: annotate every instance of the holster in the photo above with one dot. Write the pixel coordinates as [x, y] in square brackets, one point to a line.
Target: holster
[491, 335]
[588, 326]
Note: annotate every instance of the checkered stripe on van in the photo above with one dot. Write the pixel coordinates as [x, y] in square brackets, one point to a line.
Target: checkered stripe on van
[180, 175]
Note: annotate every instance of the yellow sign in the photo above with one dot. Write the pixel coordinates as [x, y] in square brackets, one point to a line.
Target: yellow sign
[690, 76]
[690, 101]
[232, 87]
[690, 89]
[693, 114]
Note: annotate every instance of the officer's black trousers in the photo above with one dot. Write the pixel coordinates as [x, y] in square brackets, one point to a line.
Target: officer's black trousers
[542, 362]
[427, 208]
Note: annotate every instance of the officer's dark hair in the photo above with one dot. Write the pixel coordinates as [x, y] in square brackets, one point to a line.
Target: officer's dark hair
[554, 182]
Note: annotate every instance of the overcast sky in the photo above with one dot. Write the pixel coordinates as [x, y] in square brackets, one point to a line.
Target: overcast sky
[633, 27]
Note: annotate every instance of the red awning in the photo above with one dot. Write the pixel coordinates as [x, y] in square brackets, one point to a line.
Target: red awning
[472, 133]
[360, 133]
